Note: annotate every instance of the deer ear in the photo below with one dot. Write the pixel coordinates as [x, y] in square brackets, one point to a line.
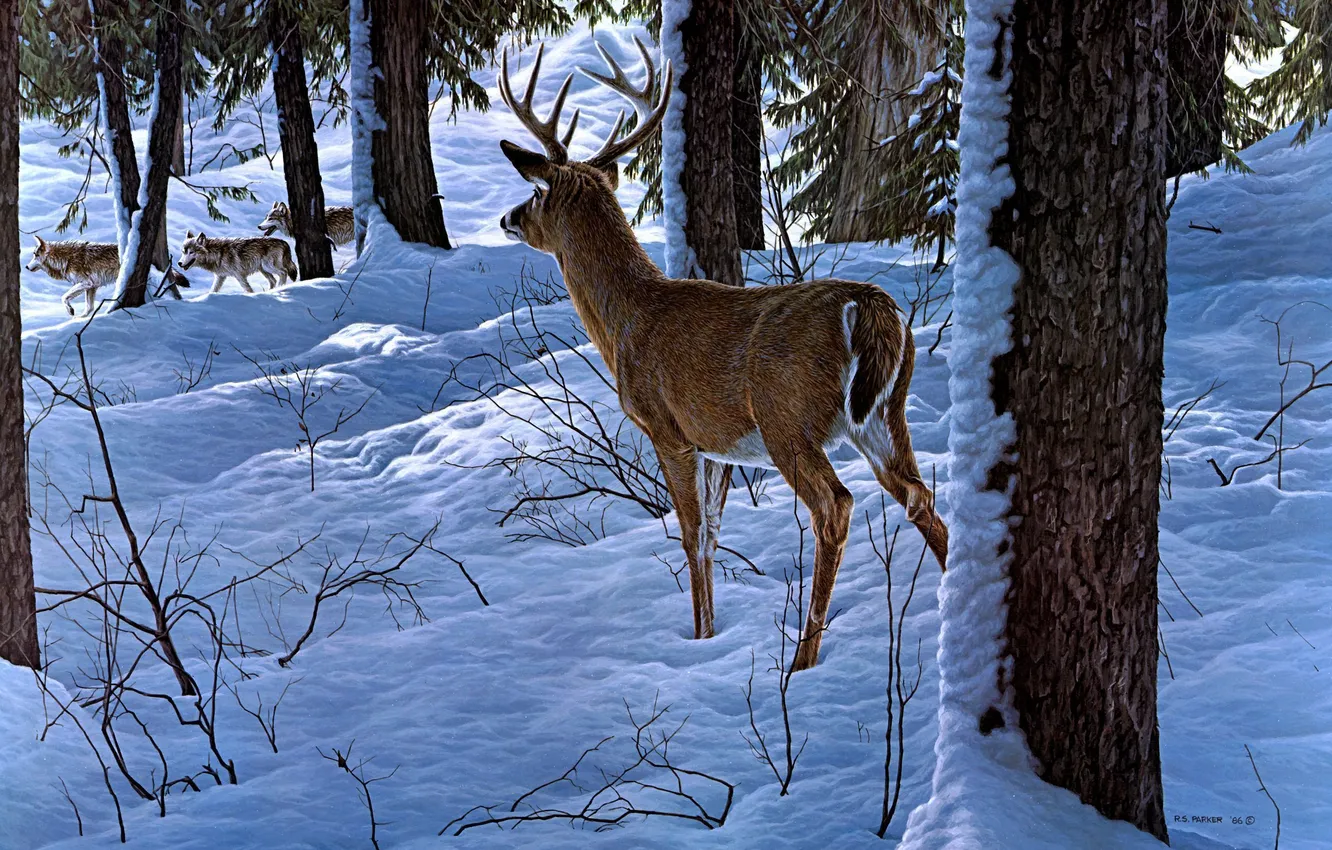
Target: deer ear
[612, 173]
[531, 165]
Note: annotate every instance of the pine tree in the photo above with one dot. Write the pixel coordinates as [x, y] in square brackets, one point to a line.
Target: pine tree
[18, 603]
[862, 66]
[1300, 89]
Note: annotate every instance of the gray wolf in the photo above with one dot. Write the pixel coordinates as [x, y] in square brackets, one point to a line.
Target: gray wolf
[239, 258]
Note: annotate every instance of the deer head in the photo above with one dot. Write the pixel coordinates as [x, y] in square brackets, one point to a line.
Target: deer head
[562, 188]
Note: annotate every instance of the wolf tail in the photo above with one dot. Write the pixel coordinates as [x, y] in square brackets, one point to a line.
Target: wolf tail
[287, 264]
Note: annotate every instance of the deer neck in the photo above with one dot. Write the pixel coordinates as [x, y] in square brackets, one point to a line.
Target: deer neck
[609, 277]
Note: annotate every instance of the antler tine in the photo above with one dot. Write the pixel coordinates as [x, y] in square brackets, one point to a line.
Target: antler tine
[619, 81]
[544, 131]
[612, 150]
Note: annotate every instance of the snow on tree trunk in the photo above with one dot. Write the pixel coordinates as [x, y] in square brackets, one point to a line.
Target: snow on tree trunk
[1086, 224]
[110, 52]
[401, 164]
[972, 608]
[300, 153]
[132, 284]
[364, 122]
[18, 605]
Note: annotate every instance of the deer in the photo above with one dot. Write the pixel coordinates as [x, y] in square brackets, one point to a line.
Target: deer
[770, 376]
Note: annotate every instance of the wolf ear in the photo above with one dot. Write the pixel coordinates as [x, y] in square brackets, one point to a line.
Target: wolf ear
[41, 243]
[189, 234]
[202, 238]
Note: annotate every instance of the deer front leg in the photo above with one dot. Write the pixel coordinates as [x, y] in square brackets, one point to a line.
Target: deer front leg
[716, 484]
[683, 468]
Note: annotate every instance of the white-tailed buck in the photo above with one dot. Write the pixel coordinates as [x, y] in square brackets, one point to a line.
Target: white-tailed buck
[762, 376]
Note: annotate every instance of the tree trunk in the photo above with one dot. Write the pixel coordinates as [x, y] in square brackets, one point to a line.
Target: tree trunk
[151, 220]
[18, 602]
[881, 70]
[300, 154]
[116, 119]
[1195, 85]
[404, 174]
[707, 180]
[747, 142]
[1086, 225]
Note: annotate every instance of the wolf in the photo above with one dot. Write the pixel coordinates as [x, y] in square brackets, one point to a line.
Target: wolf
[88, 265]
[239, 258]
[339, 221]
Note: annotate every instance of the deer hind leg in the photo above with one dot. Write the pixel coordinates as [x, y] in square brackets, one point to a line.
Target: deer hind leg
[807, 469]
[687, 484]
[716, 483]
[887, 446]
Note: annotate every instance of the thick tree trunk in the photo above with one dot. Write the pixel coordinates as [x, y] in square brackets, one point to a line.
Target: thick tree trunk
[1196, 84]
[707, 181]
[161, 140]
[747, 142]
[300, 154]
[1086, 225]
[881, 70]
[115, 106]
[18, 603]
[404, 173]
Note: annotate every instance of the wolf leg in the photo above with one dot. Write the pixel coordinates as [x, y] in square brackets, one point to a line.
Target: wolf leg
[272, 281]
[90, 301]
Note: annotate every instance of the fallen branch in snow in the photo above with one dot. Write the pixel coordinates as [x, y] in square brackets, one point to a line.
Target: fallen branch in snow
[1276, 844]
[357, 772]
[1208, 227]
[899, 695]
[649, 786]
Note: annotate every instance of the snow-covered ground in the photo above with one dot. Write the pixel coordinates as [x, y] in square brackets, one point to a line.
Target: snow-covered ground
[481, 704]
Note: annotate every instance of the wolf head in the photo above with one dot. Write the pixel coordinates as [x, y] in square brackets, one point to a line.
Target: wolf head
[278, 218]
[39, 256]
[193, 249]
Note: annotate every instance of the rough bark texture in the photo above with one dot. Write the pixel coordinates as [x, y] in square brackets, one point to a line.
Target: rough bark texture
[300, 154]
[710, 223]
[747, 143]
[1195, 85]
[1086, 224]
[161, 141]
[883, 70]
[404, 173]
[112, 51]
[18, 614]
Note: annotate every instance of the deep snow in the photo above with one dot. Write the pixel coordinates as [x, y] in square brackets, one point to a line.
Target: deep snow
[483, 703]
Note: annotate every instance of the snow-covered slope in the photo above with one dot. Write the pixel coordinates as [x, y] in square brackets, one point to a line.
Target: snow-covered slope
[481, 703]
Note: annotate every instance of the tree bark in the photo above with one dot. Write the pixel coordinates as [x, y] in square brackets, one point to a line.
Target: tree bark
[747, 142]
[1196, 84]
[115, 105]
[18, 602]
[300, 153]
[1086, 225]
[151, 220]
[880, 70]
[707, 181]
[404, 174]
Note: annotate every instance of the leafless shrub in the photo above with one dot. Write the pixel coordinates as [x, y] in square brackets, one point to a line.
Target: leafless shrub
[586, 456]
[928, 297]
[1172, 425]
[650, 784]
[528, 289]
[301, 389]
[357, 772]
[266, 715]
[196, 370]
[1262, 786]
[783, 764]
[340, 578]
[1277, 452]
[1287, 359]
[900, 692]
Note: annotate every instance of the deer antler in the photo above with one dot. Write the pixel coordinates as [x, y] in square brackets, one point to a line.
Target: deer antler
[556, 149]
[650, 114]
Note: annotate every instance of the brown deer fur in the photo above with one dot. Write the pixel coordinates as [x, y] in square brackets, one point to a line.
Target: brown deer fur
[761, 376]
